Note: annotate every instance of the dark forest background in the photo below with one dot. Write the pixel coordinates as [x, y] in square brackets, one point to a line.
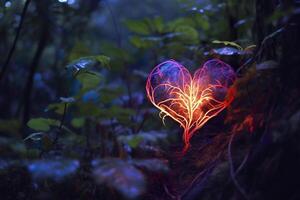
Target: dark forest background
[75, 122]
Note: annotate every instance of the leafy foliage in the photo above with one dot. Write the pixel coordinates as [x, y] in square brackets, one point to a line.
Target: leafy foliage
[42, 124]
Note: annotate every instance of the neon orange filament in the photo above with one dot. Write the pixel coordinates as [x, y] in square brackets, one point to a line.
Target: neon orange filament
[190, 101]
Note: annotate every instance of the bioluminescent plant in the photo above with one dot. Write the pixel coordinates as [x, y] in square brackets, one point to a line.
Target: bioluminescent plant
[190, 101]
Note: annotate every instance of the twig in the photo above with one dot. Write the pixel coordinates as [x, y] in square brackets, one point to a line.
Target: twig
[61, 123]
[260, 50]
[12, 49]
[242, 164]
[271, 111]
[248, 62]
[232, 173]
[60, 128]
[169, 193]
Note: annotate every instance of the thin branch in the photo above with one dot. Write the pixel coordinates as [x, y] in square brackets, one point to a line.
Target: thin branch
[169, 193]
[232, 173]
[60, 128]
[11, 51]
[260, 50]
[61, 123]
[242, 164]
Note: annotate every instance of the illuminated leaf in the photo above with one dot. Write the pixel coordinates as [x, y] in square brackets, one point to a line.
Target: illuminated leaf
[81, 64]
[35, 136]
[227, 51]
[89, 62]
[67, 99]
[228, 43]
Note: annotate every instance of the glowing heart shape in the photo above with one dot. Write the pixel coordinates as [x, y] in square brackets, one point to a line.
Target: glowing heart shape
[191, 101]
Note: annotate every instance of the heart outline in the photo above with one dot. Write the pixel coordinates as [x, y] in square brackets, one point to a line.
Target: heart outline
[190, 100]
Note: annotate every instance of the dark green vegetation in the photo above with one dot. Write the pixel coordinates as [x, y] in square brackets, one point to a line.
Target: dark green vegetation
[76, 123]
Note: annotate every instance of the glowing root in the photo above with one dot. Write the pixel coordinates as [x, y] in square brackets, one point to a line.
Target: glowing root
[190, 101]
[186, 140]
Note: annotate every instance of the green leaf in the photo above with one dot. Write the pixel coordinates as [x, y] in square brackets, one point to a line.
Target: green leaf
[147, 137]
[228, 43]
[121, 114]
[202, 22]
[145, 42]
[89, 80]
[57, 107]
[78, 122]
[172, 26]
[104, 60]
[42, 124]
[135, 141]
[156, 24]
[119, 57]
[79, 50]
[109, 94]
[189, 35]
[138, 26]
[89, 109]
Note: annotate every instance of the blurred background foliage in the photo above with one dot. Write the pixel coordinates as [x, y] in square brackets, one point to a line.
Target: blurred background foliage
[75, 122]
